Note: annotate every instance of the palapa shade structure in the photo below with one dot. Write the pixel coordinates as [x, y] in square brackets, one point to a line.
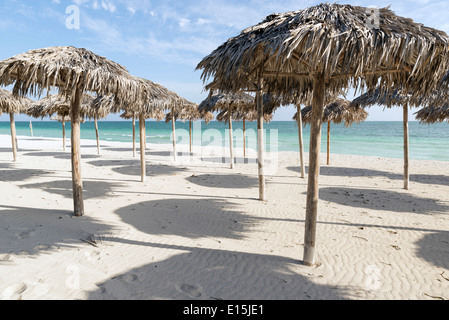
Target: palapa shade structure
[221, 101]
[337, 112]
[324, 49]
[153, 97]
[11, 104]
[73, 71]
[157, 114]
[189, 113]
[397, 97]
[60, 105]
[244, 114]
[181, 107]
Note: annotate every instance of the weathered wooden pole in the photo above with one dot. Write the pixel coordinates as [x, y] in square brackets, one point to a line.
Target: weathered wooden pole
[31, 128]
[231, 142]
[173, 125]
[314, 169]
[190, 135]
[63, 132]
[134, 136]
[301, 142]
[244, 139]
[77, 181]
[328, 142]
[260, 138]
[96, 133]
[143, 169]
[13, 136]
[406, 148]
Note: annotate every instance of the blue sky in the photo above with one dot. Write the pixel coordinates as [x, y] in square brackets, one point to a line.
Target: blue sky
[163, 40]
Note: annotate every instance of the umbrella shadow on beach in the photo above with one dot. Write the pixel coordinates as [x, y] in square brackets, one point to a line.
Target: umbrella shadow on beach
[60, 155]
[91, 189]
[190, 218]
[32, 231]
[14, 175]
[374, 199]
[132, 167]
[359, 172]
[215, 274]
[433, 247]
[231, 181]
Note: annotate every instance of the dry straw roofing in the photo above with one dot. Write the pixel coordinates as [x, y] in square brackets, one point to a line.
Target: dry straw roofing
[337, 112]
[67, 68]
[11, 104]
[60, 105]
[189, 113]
[429, 115]
[157, 114]
[335, 40]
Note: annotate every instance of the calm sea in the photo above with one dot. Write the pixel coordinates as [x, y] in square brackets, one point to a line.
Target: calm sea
[382, 139]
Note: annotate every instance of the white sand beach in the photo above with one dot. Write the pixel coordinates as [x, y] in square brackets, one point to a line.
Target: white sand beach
[195, 230]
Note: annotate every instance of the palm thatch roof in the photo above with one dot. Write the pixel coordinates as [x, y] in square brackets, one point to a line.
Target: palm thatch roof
[219, 101]
[243, 115]
[189, 113]
[337, 112]
[59, 104]
[12, 104]
[67, 68]
[59, 118]
[157, 114]
[333, 40]
[390, 98]
[431, 114]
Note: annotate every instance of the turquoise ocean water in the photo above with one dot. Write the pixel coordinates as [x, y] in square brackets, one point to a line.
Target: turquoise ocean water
[382, 139]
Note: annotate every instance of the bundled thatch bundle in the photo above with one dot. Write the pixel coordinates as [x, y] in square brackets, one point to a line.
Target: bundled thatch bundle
[12, 104]
[326, 48]
[429, 115]
[59, 104]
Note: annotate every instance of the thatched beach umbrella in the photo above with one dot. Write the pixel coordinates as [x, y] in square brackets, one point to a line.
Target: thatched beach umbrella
[244, 114]
[189, 113]
[59, 104]
[217, 102]
[11, 104]
[337, 112]
[433, 114]
[397, 97]
[156, 114]
[181, 106]
[327, 48]
[153, 96]
[73, 71]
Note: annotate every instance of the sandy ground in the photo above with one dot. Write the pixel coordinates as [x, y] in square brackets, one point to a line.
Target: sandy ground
[195, 229]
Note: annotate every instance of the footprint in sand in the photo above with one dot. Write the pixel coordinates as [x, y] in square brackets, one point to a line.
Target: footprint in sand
[5, 258]
[25, 234]
[14, 291]
[193, 291]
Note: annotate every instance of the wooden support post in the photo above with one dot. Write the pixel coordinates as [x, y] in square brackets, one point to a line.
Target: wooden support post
[406, 148]
[231, 142]
[173, 125]
[244, 139]
[314, 169]
[96, 133]
[260, 139]
[77, 181]
[13, 136]
[63, 132]
[31, 128]
[134, 136]
[301, 142]
[328, 142]
[143, 169]
[190, 135]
